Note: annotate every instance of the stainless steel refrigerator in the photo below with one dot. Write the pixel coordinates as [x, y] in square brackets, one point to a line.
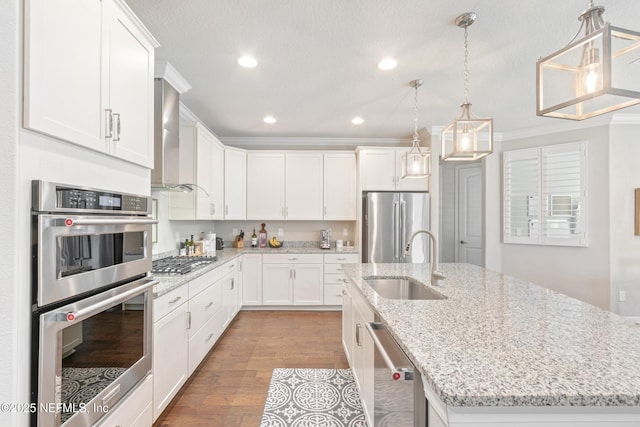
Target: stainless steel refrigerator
[389, 219]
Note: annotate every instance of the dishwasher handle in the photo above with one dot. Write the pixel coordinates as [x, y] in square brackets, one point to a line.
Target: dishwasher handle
[398, 374]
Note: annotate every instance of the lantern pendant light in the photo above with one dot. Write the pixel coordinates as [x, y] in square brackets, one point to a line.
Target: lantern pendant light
[416, 163]
[468, 137]
[594, 75]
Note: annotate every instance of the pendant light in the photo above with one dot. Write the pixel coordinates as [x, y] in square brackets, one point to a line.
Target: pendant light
[468, 137]
[416, 163]
[594, 75]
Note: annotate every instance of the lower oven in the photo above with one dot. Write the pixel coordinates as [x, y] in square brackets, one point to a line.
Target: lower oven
[90, 353]
[92, 294]
[398, 393]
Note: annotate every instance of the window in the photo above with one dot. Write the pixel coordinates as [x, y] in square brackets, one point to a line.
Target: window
[545, 195]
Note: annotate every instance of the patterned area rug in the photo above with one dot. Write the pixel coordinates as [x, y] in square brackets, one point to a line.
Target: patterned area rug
[313, 397]
[80, 385]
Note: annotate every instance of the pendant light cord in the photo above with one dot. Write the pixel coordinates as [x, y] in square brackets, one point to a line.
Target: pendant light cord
[466, 65]
[415, 117]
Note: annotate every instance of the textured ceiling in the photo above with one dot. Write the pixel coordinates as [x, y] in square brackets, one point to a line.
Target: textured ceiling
[317, 60]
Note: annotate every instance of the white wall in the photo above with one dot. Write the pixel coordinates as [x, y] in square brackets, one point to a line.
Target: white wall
[582, 273]
[12, 315]
[624, 177]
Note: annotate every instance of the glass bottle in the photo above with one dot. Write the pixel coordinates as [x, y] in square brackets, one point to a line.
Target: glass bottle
[254, 239]
[262, 240]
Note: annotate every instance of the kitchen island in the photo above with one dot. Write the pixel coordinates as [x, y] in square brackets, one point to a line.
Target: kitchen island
[502, 351]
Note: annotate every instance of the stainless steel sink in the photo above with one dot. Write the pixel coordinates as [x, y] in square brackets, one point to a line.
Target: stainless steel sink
[402, 288]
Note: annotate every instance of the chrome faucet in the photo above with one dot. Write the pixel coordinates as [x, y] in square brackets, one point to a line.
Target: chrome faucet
[436, 275]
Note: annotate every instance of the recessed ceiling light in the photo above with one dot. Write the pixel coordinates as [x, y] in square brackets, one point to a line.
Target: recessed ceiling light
[269, 119]
[247, 61]
[387, 64]
[357, 120]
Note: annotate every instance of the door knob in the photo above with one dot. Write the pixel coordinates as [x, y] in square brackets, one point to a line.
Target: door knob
[462, 242]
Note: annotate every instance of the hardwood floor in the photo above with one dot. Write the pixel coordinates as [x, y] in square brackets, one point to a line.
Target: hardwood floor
[230, 386]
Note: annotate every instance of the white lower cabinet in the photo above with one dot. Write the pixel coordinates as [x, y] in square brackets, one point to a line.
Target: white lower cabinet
[135, 410]
[207, 317]
[334, 278]
[347, 324]
[292, 279]
[361, 347]
[251, 274]
[170, 347]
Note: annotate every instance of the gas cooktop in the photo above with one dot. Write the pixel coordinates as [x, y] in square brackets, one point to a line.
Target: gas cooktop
[180, 264]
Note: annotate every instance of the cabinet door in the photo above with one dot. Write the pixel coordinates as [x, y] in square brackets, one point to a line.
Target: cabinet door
[131, 62]
[235, 184]
[231, 296]
[265, 185]
[347, 325]
[217, 178]
[276, 284]
[339, 186]
[303, 184]
[408, 184]
[252, 279]
[202, 163]
[63, 68]
[378, 170]
[170, 357]
[308, 284]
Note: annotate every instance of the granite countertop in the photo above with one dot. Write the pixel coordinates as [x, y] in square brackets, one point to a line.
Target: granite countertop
[500, 341]
[169, 282]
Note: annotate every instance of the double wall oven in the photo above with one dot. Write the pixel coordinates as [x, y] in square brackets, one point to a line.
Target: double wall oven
[91, 301]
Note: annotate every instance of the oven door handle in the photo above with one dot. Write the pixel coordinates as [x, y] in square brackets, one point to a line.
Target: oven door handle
[69, 222]
[73, 316]
[396, 373]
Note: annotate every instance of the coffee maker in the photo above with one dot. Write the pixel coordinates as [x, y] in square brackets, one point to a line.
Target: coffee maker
[325, 243]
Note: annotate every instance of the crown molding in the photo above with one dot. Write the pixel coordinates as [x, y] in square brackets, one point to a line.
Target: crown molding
[271, 142]
[165, 70]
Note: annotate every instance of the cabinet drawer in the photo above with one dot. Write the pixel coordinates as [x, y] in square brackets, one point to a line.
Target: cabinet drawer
[332, 294]
[134, 410]
[333, 268]
[168, 302]
[203, 306]
[292, 258]
[200, 283]
[204, 339]
[230, 267]
[342, 258]
[334, 279]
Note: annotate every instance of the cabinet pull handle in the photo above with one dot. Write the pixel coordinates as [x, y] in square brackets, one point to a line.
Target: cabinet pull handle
[208, 338]
[344, 292]
[108, 122]
[292, 259]
[339, 269]
[341, 259]
[213, 208]
[208, 305]
[325, 211]
[294, 273]
[188, 320]
[358, 326]
[240, 266]
[175, 300]
[117, 127]
[233, 283]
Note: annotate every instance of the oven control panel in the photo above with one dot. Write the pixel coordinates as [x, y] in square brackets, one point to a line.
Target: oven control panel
[63, 198]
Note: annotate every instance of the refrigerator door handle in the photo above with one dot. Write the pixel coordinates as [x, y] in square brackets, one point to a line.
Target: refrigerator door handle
[403, 222]
[396, 231]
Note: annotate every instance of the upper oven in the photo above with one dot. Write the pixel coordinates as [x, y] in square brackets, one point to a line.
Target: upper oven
[86, 240]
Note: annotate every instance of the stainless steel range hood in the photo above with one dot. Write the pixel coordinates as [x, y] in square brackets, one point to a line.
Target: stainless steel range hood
[165, 175]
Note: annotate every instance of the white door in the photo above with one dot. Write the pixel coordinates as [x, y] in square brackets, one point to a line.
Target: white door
[303, 184]
[469, 223]
[265, 186]
[308, 284]
[235, 184]
[276, 284]
[131, 90]
[339, 186]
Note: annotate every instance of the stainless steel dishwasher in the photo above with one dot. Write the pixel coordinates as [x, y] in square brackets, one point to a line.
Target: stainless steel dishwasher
[399, 399]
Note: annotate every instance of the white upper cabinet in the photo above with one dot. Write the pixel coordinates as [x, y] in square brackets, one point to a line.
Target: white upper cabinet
[339, 186]
[94, 90]
[381, 170]
[303, 186]
[265, 185]
[235, 183]
[201, 163]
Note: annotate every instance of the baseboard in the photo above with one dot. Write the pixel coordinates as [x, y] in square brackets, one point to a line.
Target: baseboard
[292, 308]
